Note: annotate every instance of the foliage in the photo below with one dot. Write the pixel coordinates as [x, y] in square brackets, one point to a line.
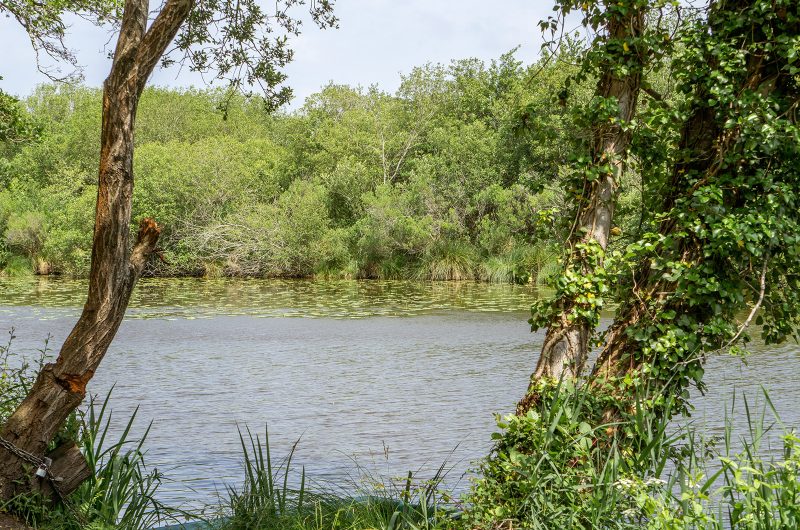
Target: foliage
[717, 227]
[16, 125]
[44, 23]
[721, 238]
[617, 55]
[244, 44]
[434, 181]
[557, 464]
[561, 466]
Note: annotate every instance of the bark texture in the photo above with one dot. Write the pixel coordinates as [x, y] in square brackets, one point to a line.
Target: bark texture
[116, 264]
[565, 349]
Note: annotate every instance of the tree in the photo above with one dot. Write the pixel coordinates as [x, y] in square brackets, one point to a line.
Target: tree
[16, 125]
[718, 250]
[45, 26]
[719, 222]
[722, 236]
[232, 41]
[618, 57]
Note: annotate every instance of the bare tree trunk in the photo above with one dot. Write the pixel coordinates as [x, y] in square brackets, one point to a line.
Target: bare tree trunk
[566, 343]
[116, 265]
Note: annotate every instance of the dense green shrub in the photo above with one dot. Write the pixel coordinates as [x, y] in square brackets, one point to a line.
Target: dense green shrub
[433, 181]
[575, 461]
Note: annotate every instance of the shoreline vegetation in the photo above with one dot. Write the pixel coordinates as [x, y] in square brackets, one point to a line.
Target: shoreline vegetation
[437, 181]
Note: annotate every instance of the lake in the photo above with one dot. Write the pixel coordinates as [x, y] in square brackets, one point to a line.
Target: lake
[392, 376]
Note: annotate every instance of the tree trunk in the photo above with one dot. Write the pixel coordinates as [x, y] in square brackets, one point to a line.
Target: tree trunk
[566, 343]
[706, 146]
[116, 266]
[699, 137]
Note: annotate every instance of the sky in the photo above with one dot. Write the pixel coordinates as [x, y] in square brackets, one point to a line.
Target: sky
[377, 41]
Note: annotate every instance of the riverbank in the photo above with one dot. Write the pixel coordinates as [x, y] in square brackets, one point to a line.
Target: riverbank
[534, 266]
[703, 487]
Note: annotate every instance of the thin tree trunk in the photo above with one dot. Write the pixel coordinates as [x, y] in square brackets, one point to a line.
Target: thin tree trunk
[566, 343]
[116, 265]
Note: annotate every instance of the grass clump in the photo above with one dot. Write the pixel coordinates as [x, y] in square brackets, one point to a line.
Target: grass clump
[120, 494]
[16, 266]
[448, 260]
[522, 264]
[555, 467]
[272, 496]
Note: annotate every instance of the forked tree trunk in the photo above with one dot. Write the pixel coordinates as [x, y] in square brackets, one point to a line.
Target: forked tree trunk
[705, 144]
[116, 265]
[566, 343]
[700, 136]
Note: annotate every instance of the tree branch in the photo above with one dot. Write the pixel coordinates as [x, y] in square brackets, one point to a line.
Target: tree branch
[145, 245]
[652, 93]
[131, 31]
[161, 33]
[762, 290]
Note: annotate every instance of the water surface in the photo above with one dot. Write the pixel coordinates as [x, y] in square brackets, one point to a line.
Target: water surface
[395, 376]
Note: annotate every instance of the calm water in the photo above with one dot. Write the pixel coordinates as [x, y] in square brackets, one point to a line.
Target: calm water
[397, 376]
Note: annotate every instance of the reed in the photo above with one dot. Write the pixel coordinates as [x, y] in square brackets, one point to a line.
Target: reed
[267, 499]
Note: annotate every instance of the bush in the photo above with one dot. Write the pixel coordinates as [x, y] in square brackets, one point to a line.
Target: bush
[562, 466]
[25, 233]
[556, 466]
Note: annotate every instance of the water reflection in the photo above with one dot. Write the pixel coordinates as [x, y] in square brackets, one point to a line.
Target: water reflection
[199, 298]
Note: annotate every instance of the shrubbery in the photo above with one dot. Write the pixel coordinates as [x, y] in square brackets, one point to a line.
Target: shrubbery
[561, 465]
[436, 181]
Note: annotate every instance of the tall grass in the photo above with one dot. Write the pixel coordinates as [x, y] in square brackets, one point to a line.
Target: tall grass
[522, 264]
[448, 260]
[268, 499]
[742, 485]
[120, 493]
[556, 466]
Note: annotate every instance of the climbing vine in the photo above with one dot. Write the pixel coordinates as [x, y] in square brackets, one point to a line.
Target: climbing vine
[714, 255]
[720, 248]
[625, 42]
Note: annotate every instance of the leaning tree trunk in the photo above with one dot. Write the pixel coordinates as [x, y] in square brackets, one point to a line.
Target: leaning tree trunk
[116, 265]
[566, 343]
[699, 137]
